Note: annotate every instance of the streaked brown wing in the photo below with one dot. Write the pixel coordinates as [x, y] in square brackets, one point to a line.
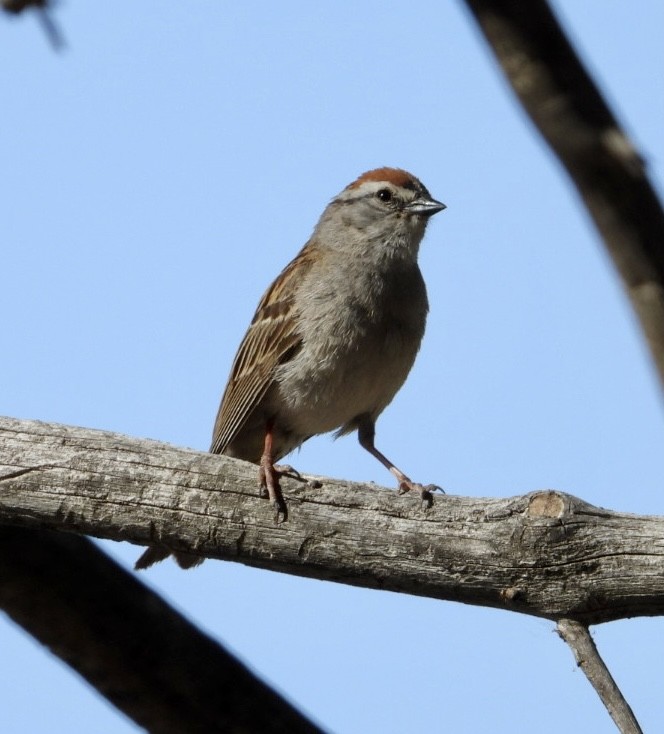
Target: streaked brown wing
[270, 340]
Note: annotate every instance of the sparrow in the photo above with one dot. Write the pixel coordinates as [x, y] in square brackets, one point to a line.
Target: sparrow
[333, 338]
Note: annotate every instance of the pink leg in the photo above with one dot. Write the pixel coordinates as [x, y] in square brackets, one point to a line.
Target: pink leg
[268, 476]
[366, 433]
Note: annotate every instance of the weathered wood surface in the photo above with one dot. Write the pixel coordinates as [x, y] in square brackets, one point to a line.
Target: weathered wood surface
[547, 553]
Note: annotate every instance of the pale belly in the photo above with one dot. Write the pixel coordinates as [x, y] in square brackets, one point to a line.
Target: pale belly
[325, 391]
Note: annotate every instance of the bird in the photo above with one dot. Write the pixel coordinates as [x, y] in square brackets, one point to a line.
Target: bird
[333, 338]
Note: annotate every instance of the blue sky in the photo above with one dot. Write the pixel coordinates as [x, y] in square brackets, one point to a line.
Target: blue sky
[158, 174]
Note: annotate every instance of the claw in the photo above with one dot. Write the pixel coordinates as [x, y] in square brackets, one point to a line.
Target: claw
[426, 499]
[425, 492]
[434, 488]
[286, 470]
[404, 486]
[280, 510]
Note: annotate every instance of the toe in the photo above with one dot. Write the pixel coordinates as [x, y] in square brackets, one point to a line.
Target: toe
[280, 511]
[405, 485]
[426, 498]
[287, 470]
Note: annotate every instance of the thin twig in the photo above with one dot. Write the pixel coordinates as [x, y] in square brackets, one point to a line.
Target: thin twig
[587, 657]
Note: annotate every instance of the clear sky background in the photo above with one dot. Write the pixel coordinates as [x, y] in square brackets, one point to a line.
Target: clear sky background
[155, 177]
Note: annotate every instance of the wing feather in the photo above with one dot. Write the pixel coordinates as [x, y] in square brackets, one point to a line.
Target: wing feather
[271, 340]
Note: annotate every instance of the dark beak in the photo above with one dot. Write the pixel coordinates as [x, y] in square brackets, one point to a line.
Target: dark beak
[425, 205]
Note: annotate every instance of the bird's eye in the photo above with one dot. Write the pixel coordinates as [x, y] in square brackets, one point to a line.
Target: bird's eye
[385, 195]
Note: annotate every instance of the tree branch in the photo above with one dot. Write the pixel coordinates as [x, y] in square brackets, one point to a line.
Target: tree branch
[566, 107]
[150, 662]
[577, 636]
[546, 554]
[42, 7]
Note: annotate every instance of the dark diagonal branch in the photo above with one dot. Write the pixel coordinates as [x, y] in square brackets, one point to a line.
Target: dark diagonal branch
[564, 103]
[139, 653]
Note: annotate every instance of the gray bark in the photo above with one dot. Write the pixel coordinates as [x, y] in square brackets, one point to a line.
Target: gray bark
[546, 554]
[587, 657]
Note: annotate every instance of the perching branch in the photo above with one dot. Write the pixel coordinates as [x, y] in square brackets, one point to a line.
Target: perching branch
[577, 636]
[138, 652]
[546, 554]
[566, 107]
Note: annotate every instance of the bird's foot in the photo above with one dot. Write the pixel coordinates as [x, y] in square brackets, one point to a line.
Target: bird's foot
[269, 488]
[286, 470]
[425, 491]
